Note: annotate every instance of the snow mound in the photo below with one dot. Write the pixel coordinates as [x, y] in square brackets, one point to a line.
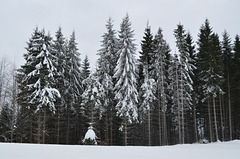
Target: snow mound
[90, 136]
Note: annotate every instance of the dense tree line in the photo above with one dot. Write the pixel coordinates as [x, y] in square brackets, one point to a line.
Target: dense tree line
[164, 97]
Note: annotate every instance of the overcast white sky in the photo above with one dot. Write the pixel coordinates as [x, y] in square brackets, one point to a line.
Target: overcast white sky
[87, 18]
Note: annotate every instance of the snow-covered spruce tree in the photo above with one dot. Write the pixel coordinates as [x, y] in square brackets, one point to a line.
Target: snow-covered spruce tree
[210, 67]
[107, 62]
[174, 74]
[59, 50]
[91, 100]
[25, 116]
[217, 78]
[185, 82]
[202, 68]
[148, 89]
[227, 61]
[158, 72]
[95, 101]
[192, 119]
[108, 53]
[146, 83]
[125, 73]
[38, 79]
[73, 82]
[82, 120]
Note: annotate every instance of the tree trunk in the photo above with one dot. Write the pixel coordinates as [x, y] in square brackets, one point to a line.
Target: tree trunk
[44, 126]
[165, 129]
[229, 109]
[107, 130]
[182, 106]
[210, 122]
[163, 101]
[111, 128]
[195, 122]
[13, 107]
[31, 129]
[58, 124]
[159, 123]
[68, 123]
[215, 118]
[125, 131]
[224, 112]
[92, 112]
[39, 128]
[221, 117]
[178, 106]
[182, 117]
[149, 127]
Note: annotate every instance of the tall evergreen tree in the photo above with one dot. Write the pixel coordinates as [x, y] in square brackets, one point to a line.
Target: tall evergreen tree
[91, 100]
[146, 83]
[107, 62]
[25, 118]
[190, 48]
[38, 78]
[159, 73]
[59, 50]
[148, 89]
[185, 83]
[125, 73]
[73, 82]
[227, 61]
[174, 73]
[209, 66]
[81, 116]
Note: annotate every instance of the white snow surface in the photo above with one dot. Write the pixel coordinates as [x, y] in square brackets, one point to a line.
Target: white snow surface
[219, 150]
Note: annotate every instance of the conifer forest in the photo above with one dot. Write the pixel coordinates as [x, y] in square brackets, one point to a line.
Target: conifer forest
[152, 97]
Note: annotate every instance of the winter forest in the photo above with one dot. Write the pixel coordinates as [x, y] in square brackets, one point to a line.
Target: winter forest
[158, 96]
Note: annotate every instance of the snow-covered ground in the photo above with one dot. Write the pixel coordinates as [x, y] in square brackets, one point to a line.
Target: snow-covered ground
[220, 150]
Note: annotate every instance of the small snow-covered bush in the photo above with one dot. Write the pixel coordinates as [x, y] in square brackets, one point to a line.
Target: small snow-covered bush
[90, 137]
[203, 141]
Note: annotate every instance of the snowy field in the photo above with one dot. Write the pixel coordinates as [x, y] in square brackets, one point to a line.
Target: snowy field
[224, 150]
